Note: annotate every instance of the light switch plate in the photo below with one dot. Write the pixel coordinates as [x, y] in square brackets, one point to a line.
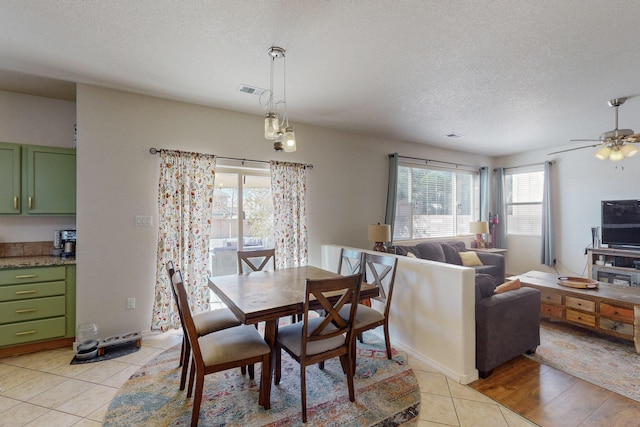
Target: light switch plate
[143, 221]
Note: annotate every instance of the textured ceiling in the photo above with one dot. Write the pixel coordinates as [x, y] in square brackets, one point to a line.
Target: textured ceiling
[511, 76]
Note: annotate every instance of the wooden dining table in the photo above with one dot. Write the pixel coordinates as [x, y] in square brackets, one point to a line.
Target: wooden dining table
[266, 296]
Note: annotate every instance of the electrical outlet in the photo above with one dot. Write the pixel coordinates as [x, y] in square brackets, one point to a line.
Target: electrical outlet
[131, 303]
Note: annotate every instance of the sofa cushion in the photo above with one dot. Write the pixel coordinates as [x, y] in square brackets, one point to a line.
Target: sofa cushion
[508, 286]
[470, 259]
[431, 251]
[457, 244]
[451, 254]
[485, 286]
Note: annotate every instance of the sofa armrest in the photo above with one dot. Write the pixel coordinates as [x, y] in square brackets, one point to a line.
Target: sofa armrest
[507, 325]
[489, 258]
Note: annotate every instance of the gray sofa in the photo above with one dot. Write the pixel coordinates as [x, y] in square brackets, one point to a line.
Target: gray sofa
[507, 324]
[447, 252]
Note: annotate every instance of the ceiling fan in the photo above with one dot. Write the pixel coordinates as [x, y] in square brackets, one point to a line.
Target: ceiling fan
[614, 143]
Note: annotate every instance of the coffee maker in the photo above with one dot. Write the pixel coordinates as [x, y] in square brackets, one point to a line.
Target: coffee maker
[65, 240]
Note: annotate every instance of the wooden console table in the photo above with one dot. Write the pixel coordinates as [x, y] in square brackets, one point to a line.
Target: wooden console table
[607, 310]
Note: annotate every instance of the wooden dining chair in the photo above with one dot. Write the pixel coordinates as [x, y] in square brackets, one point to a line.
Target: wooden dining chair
[221, 350]
[351, 262]
[315, 339]
[205, 323]
[380, 270]
[256, 260]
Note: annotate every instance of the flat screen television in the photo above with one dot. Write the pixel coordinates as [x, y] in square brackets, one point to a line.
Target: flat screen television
[621, 223]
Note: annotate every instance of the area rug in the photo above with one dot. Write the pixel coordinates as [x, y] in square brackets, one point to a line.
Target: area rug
[605, 361]
[387, 394]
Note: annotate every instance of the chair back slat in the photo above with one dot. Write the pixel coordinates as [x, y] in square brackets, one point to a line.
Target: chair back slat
[351, 262]
[346, 289]
[381, 272]
[256, 260]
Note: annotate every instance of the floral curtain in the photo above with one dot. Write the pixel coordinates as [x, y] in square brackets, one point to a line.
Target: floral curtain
[288, 188]
[185, 197]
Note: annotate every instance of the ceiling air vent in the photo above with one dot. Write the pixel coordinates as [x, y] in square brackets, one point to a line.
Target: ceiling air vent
[251, 90]
[454, 135]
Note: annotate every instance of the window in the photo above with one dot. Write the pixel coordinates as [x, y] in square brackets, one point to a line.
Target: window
[523, 196]
[239, 193]
[434, 202]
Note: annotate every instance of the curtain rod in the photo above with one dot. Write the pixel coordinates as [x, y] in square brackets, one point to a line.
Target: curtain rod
[436, 161]
[552, 162]
[153, 150]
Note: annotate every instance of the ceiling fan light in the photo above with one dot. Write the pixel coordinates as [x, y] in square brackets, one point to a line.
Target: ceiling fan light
[616, 155]
[629, 150]
[271, 126]
[603, 153]
[289, 140]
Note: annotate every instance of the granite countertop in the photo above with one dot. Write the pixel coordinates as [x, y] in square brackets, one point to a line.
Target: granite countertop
[34, 261]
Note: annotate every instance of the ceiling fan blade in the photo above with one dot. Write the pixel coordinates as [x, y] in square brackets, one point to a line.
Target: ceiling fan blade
[573, 149]
[583, 140]
[632, 138]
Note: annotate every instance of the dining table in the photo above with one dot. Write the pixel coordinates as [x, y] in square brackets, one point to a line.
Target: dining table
[266, 296]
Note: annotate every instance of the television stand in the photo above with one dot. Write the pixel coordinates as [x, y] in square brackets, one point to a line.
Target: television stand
[615, 266]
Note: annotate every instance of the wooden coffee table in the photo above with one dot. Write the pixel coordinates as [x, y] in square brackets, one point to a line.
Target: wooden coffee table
[609, 309]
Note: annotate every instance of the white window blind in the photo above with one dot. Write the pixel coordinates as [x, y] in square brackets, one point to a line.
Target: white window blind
[434, 202]
[523, 195]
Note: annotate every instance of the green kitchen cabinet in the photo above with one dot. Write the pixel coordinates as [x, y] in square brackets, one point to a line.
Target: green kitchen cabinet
[37, 180]
[10, 178]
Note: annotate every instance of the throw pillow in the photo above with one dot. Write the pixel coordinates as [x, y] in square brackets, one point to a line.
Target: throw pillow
[469, 259]
[451, 254]
[485, 285]
[508, 286]
[411, 255]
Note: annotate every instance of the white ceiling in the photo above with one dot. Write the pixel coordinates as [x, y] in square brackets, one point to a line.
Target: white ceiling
[510, 75]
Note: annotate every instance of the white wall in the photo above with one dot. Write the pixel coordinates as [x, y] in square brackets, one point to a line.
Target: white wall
[26, 119]
[117, 179]
[579, 183]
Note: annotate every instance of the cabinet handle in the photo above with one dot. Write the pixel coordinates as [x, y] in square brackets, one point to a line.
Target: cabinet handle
[26, 276]
[32, 291]
[30, 202]
[25, 333]
[26, 310]
[15, 202]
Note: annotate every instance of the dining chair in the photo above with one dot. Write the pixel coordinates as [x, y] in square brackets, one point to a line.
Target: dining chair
[205, 323]
[219, 351]
[351, 262]
[256, 260]
[315, 339]
[380, 270]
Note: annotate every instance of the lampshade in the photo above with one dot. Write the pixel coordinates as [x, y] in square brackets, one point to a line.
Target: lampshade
[479, 227]
[616, 155]
[629, 150]
[603, 153]
[289, 140]
[379, 233]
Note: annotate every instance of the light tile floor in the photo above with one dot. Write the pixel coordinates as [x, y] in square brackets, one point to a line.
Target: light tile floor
[44, 389]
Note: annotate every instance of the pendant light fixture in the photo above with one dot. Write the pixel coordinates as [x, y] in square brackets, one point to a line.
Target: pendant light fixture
[277, 130]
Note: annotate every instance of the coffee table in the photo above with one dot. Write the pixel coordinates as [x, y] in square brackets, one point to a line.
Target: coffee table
[609, 309]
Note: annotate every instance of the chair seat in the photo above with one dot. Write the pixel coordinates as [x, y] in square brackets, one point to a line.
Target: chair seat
[232, 344]
[364, 315]
[215, 320]
[291, 337]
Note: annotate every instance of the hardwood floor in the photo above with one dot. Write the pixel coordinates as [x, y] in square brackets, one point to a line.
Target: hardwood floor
[550, 397]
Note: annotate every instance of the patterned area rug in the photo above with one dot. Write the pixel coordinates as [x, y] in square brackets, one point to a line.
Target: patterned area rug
[608, 362]
[387, 394]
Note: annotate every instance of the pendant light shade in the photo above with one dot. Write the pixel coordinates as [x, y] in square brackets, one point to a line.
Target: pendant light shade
[603, 153]
[289, 140]
[276, 127]
[629, 150]
[616, 155]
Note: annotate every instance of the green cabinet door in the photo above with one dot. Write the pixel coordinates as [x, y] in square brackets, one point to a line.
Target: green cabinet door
[9, 178]
[50, 180]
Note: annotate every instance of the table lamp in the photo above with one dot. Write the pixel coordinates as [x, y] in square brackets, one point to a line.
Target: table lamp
[379, 234]
[479, 228]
